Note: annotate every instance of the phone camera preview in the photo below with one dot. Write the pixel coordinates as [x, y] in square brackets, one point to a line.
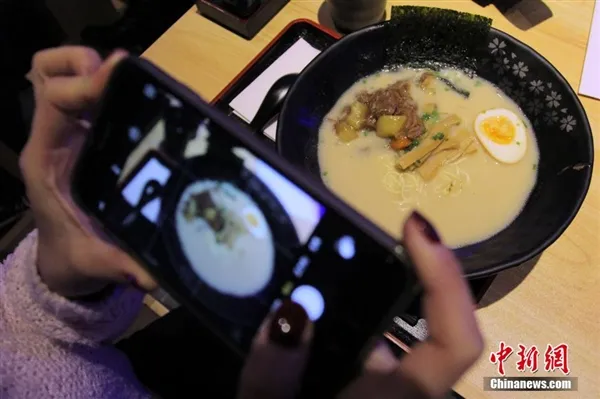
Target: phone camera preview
[346, 247]
[311, 300]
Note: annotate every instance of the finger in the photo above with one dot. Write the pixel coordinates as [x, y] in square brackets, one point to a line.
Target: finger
[447, 299]
[108, 262]
[375, 379]
[76, 94]
[380, 359]
[455, 341]
[379, 364]
[432, 367]
[276, 363]
[65, 99]
[138, 276]
[65, 61]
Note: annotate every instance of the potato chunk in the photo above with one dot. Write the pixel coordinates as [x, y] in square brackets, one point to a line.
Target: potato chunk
[390, 125]
[357, 116]
[345, 132]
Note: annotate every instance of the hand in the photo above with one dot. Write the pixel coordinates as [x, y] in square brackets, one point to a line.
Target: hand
[73, 259]
[278, 355]
[430, 370]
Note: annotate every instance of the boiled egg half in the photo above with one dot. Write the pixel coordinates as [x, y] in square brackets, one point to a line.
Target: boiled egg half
[254, 222]
[503, 134]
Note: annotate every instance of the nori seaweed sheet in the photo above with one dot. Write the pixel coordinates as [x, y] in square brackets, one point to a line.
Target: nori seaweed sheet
[436, 38]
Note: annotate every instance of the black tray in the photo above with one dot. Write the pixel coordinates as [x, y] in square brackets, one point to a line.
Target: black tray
[316, 35]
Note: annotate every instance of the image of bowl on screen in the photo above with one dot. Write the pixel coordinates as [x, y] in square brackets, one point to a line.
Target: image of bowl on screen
[225, 237]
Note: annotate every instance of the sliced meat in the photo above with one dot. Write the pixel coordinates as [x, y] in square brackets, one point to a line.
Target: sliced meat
[414, 126]
[388, 101]
[394, 100]
[208, 210]
[371, 122]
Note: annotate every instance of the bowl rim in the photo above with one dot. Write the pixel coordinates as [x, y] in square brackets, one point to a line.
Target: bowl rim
[586, 127]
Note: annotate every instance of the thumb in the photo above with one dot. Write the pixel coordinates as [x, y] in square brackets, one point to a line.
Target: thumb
[105, 260]
[65, 98]
[76, 94]
[276, 363]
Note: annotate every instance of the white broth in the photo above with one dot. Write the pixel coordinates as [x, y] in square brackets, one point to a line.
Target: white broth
[467, 201]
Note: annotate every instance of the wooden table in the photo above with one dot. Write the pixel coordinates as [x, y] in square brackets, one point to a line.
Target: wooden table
[555, 301]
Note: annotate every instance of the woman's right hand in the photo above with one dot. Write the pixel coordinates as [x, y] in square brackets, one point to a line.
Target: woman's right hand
[430, 370]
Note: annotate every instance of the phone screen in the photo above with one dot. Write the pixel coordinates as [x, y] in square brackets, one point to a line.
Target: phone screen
[225, 230]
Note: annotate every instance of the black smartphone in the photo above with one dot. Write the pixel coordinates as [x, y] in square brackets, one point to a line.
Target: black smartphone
[228, 227]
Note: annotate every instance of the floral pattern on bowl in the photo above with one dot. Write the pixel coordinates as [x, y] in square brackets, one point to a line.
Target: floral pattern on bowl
[542, 98]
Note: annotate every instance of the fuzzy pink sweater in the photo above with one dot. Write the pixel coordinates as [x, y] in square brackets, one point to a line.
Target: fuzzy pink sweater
[51, 347]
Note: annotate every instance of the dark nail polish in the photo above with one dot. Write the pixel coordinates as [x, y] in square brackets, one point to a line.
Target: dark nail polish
[426, 227]
[288, 324]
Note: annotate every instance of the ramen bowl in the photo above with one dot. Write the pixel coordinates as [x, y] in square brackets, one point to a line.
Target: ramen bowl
[560, 123]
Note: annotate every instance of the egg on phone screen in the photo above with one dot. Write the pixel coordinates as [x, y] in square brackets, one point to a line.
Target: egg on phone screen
[254, 223]
[503, 134]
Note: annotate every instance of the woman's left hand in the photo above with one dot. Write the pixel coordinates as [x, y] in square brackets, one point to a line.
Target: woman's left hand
[275, 366]
[73, 259]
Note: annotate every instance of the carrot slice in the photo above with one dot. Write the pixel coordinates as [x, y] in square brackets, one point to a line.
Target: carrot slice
[400, 143]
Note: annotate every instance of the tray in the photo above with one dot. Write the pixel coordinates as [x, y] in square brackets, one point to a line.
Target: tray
[316, 35]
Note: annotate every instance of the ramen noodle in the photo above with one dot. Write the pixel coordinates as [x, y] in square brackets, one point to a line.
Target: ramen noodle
[469, 194]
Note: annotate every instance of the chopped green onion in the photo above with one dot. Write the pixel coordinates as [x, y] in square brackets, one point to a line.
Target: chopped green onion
[412, 145]
[433, 116]
[438, 136]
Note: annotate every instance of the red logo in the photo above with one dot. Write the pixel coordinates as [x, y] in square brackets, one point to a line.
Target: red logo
[528, 358]
[556, 358]
[500, 357]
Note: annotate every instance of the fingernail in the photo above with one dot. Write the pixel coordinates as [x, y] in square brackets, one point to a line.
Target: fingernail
[116, 56]
[426, 228]
[288, 324]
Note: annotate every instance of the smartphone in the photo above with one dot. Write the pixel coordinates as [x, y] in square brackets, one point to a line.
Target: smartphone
[229, 228]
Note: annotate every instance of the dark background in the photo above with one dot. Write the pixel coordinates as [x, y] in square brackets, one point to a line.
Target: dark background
[27, 26]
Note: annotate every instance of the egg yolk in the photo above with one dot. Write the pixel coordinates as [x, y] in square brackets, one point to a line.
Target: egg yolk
[499, 129]
[252, 220]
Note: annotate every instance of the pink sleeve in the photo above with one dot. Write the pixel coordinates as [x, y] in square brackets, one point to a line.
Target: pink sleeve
[27, 305]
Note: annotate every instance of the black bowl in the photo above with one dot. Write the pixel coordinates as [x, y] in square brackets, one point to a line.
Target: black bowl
[561, 127]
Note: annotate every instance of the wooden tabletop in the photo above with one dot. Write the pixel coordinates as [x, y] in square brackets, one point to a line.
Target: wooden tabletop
[554, 301]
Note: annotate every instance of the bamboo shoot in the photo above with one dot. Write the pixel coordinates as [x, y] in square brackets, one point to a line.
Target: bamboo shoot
[430, 168]
[430, 143]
